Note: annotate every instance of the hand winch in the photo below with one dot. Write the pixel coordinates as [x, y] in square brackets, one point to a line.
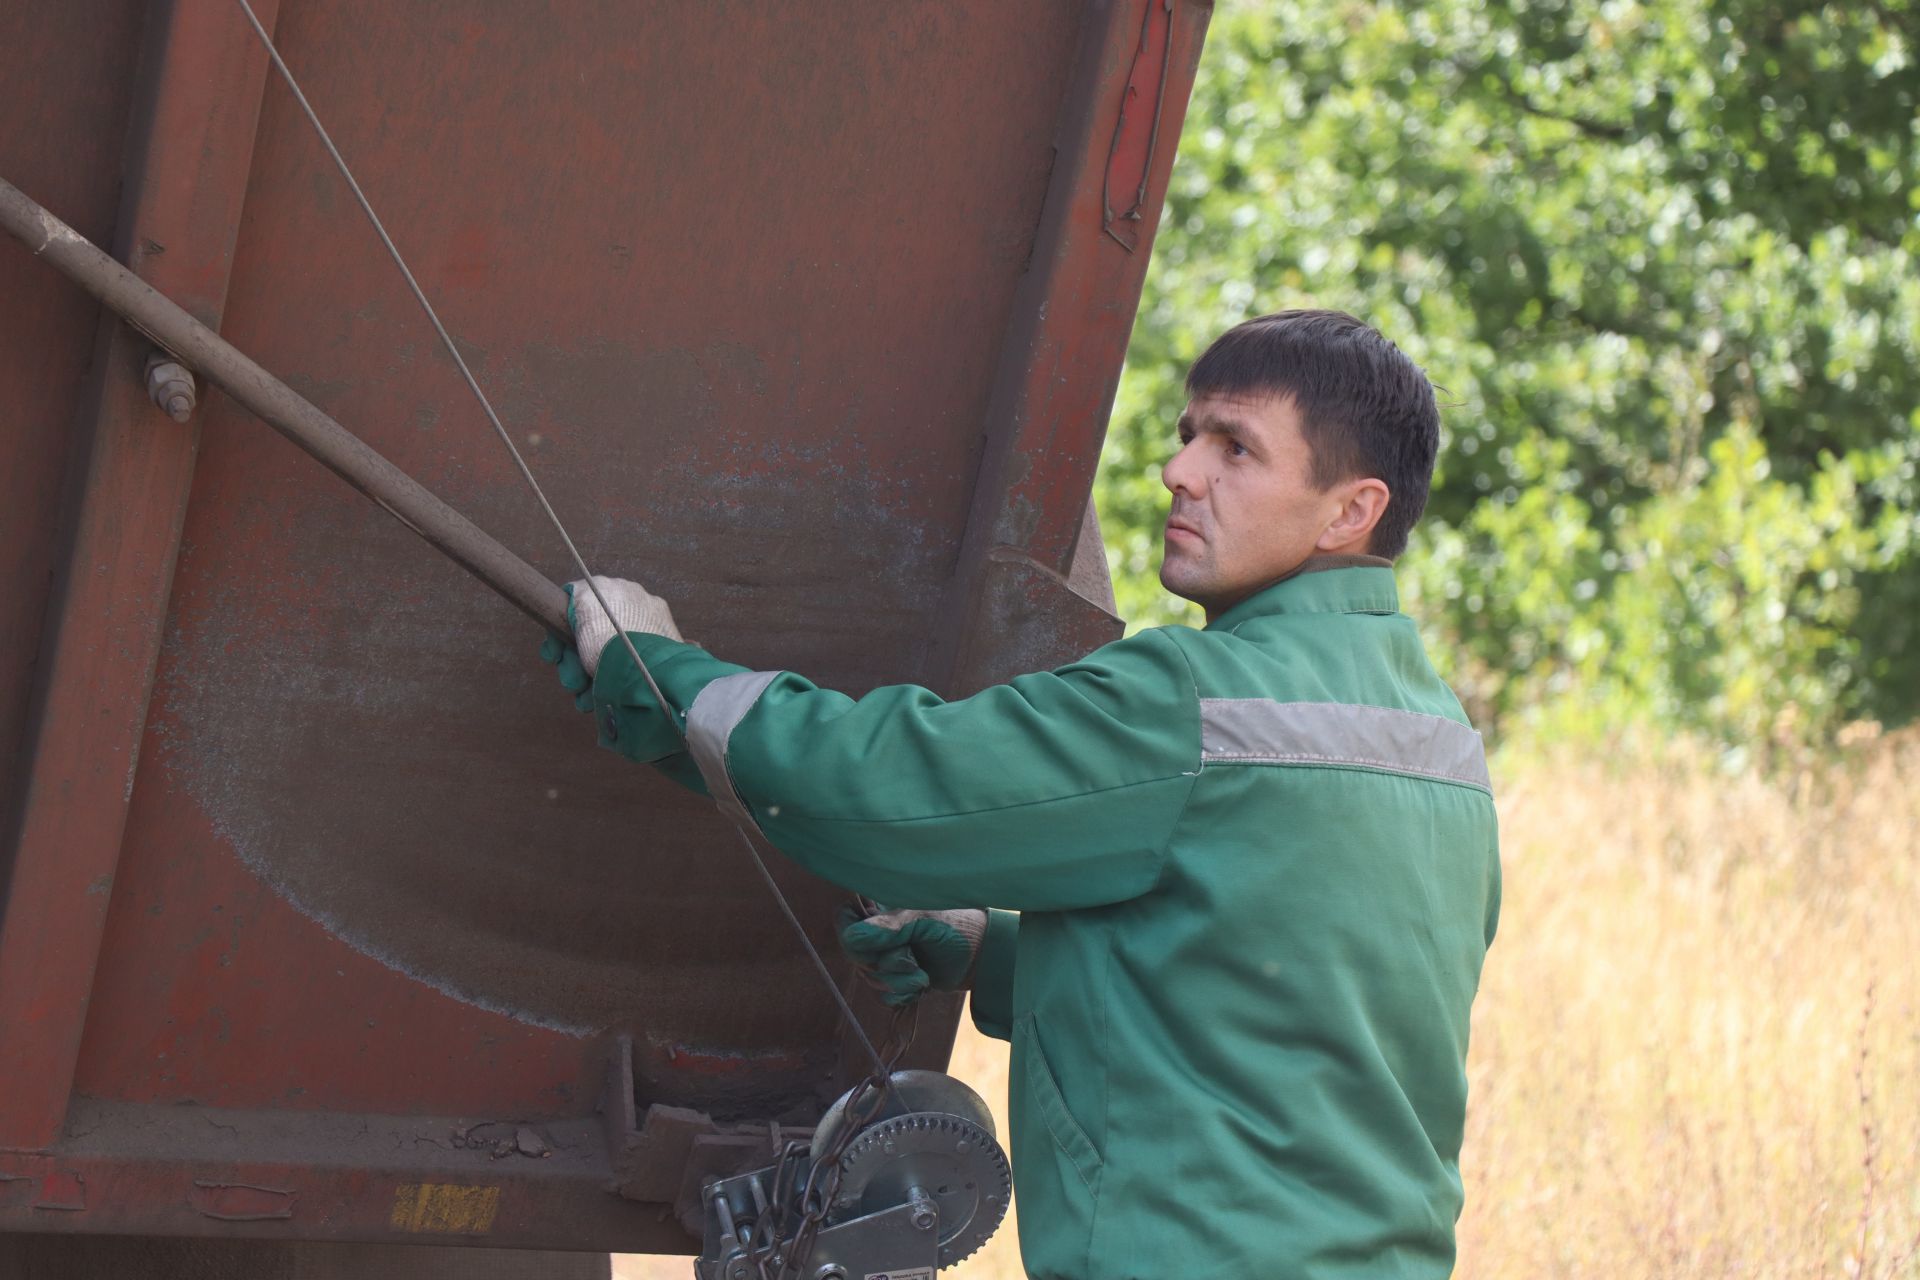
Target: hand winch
[899, 1180]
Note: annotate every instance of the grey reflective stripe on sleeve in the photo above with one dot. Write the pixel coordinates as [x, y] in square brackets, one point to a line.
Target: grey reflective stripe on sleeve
[711, 720]
[1262, 731]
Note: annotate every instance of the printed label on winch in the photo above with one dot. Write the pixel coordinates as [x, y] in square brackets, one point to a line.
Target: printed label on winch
[917, 1273]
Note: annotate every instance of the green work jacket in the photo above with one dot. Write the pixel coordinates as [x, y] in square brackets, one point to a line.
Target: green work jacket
[1256, 874]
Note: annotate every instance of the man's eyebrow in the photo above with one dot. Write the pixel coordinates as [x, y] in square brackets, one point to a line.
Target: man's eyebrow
[1213, 424]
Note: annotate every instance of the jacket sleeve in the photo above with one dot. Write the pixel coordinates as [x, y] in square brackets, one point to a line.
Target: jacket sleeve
[1055, 791]
[992, 999]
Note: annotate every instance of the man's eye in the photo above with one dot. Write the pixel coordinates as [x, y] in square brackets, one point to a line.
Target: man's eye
[1236, 449]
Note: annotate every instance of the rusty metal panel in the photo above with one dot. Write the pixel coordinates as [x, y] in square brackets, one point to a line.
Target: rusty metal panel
[643, 254]
[808, 316]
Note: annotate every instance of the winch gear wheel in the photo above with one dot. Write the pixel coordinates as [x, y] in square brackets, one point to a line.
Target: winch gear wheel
[955, 1161]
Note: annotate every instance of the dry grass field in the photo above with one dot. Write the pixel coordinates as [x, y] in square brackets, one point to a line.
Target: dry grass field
[1697, 1047]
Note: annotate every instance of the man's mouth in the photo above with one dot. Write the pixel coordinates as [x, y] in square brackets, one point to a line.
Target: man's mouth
[1177, 528]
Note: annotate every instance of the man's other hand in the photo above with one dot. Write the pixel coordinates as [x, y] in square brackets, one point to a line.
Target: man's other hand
[902, 953]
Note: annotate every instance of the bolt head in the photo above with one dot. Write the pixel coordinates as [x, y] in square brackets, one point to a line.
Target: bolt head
[170, 386]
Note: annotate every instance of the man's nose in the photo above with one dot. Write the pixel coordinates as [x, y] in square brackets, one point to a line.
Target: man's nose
[1182, 474]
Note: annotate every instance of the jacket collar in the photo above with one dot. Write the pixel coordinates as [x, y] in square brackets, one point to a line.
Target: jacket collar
[1323, 584]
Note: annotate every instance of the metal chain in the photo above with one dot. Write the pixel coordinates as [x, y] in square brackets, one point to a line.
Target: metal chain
[672, 716]
[780, 1253]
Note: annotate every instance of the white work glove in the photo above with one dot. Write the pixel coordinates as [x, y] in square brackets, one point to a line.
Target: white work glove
[634, 609]
[904, 952]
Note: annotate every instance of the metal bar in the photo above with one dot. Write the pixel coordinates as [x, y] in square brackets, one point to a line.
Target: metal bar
[192, 1171]
[194, 114]
[281, 408]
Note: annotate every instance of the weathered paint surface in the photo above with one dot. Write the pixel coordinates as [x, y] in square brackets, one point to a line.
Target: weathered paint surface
[445, 1208]
[806, 316]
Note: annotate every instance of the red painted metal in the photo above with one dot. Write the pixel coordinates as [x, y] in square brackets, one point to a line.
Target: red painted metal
[809, 316]
[1060, 366]
[178, 224]
[73, 157]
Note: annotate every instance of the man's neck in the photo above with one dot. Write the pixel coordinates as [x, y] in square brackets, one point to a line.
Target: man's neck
[1317, 563]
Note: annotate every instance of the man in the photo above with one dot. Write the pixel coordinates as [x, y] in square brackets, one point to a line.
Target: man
[1255, 864]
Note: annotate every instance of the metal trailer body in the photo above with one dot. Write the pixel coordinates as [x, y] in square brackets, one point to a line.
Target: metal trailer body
[322, 920]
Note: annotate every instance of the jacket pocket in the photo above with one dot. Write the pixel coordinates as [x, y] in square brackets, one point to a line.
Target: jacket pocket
[1051, 1105]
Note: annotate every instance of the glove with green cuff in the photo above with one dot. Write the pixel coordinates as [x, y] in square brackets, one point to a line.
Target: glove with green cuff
[578, 657]
[903, 953]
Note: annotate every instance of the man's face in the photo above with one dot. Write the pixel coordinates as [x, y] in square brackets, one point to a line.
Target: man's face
[1245, 509]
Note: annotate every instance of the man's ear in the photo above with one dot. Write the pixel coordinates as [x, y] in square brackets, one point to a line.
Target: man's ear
[1362, 504]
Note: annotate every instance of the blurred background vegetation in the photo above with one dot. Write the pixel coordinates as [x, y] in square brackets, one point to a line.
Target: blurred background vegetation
[1661, 255]
[1661, 258]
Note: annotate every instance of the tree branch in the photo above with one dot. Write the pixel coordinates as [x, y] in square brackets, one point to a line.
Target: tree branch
[1519, 97]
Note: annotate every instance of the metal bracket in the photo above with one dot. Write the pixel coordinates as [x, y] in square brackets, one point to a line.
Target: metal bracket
[667, 1154]
[902, 1241]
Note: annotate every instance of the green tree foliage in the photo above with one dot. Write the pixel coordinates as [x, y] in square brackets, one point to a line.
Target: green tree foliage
[1661, 256]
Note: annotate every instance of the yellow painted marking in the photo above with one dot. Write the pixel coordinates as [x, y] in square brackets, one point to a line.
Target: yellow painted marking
[445, 1208]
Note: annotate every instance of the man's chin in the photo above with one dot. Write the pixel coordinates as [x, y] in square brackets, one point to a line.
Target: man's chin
[1178, 580]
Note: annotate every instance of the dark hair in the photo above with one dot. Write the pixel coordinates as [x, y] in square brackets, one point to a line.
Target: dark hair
[1366, 409]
